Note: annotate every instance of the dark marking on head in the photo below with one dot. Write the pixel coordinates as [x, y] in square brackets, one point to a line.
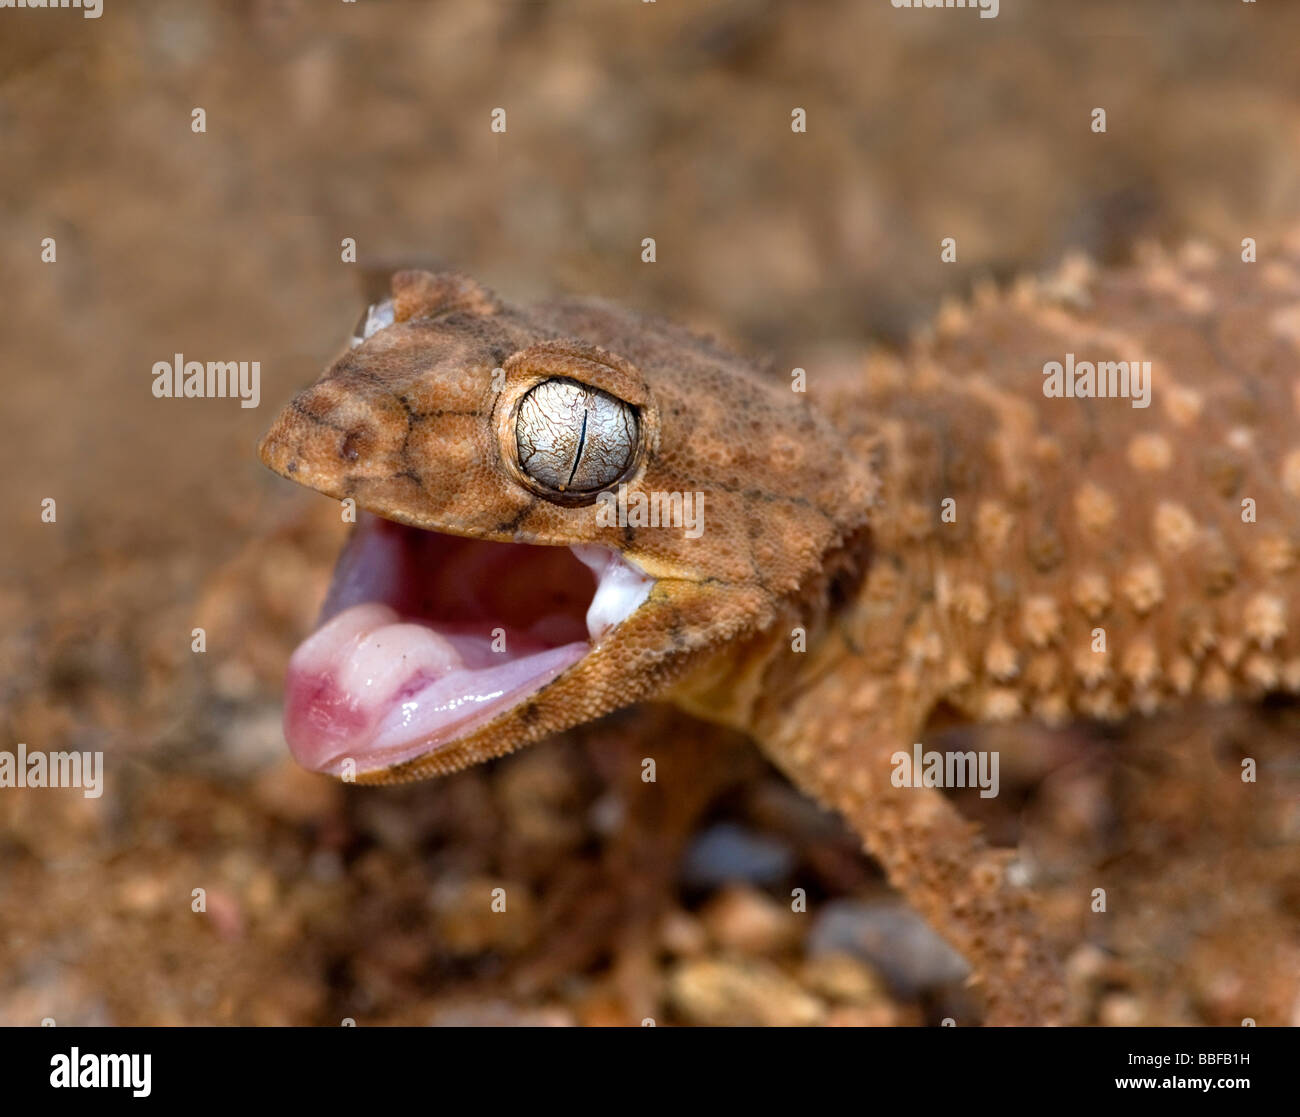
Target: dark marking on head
[311, 416]
[510, 526]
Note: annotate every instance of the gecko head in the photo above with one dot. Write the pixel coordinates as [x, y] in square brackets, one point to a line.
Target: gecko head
[558, 512]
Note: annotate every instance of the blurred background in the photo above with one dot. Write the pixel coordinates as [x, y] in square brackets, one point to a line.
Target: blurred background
[625, 120]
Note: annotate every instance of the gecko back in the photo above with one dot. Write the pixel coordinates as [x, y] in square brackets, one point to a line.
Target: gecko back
[1091, 490]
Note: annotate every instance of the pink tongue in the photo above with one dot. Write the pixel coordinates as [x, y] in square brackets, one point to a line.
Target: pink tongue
[372, 689]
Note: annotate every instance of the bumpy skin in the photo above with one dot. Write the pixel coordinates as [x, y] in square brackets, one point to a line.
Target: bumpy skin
[824, 532]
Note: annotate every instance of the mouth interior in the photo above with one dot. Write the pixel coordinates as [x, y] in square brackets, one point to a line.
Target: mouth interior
[424, 637]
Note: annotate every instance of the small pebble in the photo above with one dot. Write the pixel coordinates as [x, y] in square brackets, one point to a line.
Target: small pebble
[728, 852]
[747, 993]
[743, 919]
[893, 939]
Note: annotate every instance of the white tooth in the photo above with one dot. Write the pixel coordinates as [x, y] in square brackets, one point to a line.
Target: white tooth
[378, 317]
[620, 587]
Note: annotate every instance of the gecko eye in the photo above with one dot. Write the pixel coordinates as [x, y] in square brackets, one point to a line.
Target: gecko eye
[574, 439]
[372, 321]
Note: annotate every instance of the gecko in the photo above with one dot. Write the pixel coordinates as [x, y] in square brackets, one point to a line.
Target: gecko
[910, 538]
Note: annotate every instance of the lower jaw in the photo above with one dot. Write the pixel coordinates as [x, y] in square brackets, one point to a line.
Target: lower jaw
[415, 653]
[397, 690]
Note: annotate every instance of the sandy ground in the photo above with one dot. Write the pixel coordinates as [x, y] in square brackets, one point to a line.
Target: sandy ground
[624, 121]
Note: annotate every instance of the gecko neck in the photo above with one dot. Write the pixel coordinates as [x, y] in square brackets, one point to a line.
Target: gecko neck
[749, 685]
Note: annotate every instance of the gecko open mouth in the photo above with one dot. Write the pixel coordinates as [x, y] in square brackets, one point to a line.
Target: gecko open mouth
[425, 636]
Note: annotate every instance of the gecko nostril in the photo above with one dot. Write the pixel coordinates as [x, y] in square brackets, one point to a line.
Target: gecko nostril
[352, 445]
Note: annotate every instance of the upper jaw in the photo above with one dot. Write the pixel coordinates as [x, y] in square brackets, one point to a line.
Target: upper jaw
[430, 638]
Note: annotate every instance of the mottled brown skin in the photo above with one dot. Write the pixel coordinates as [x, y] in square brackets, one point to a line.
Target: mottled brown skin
[1071, 515]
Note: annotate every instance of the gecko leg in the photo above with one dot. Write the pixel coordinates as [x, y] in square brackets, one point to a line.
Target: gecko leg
[694, 763]
[937, 859]
[656, 809]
